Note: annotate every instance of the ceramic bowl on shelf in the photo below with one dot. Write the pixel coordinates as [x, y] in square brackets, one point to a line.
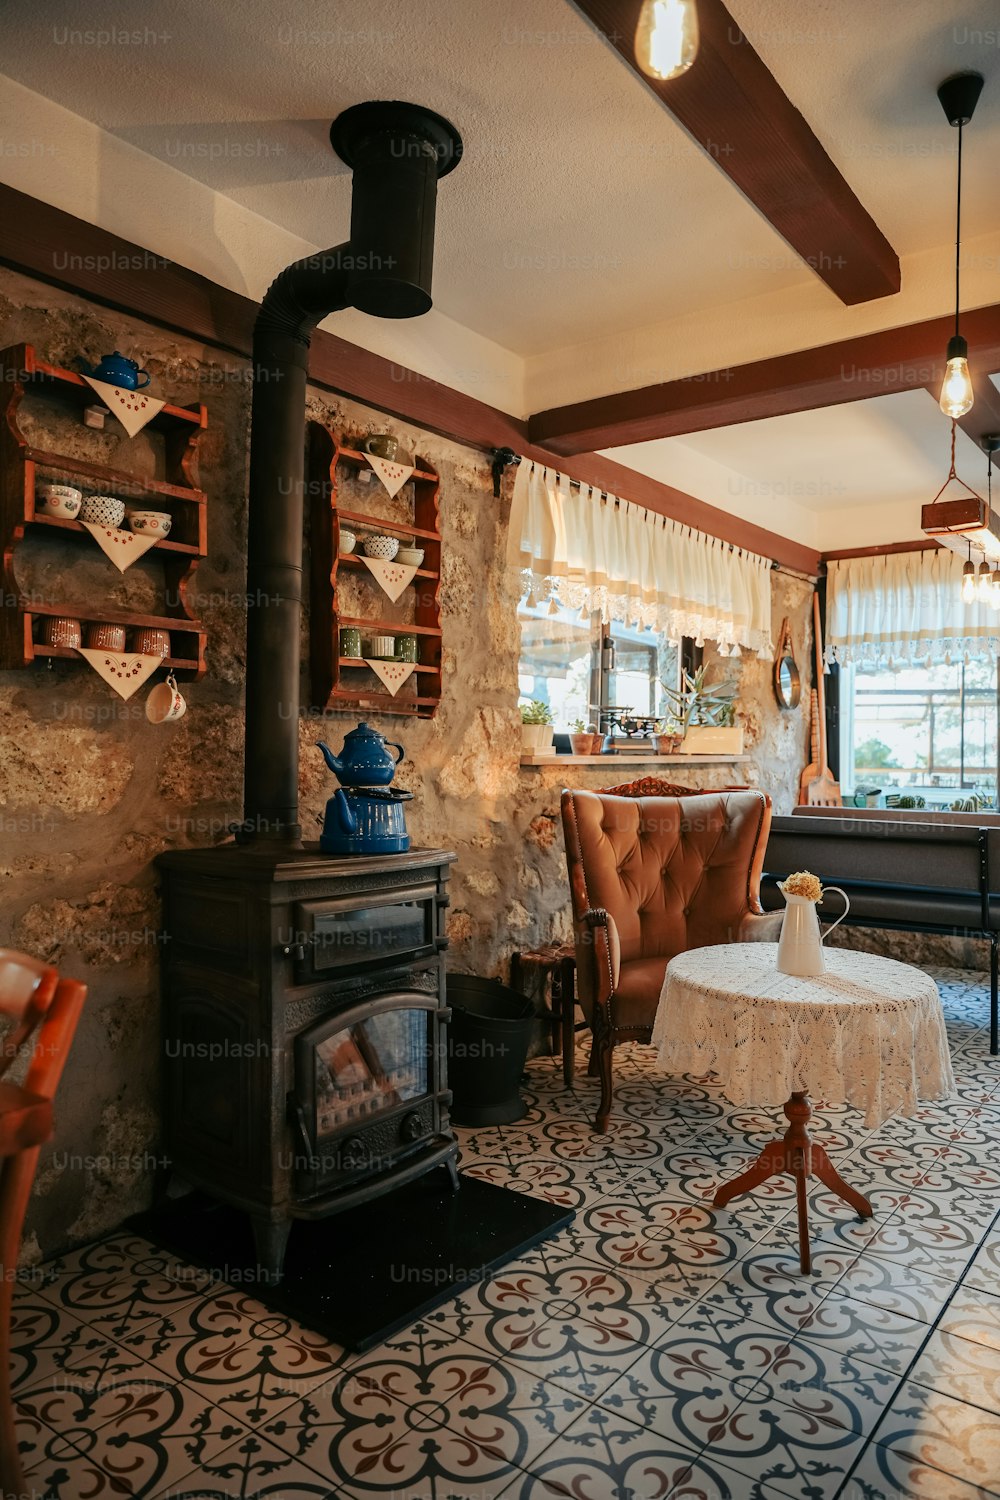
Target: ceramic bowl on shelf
[60, 630]
[103, 510]
[150, 522]
[60, 500]
[381, 546]
[348, 542]
[410, 557]
[106, 637]
[382, 444]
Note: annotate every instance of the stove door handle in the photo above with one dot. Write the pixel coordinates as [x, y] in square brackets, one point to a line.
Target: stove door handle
[296, 951]
[297, 1116]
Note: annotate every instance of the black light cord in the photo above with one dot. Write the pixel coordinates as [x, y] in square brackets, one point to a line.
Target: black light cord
[958, 229]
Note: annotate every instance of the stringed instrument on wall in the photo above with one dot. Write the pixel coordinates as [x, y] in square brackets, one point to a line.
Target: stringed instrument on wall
[817, 787]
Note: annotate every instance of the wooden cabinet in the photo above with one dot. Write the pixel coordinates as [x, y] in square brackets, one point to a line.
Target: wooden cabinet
[413, 515]
[24, 462]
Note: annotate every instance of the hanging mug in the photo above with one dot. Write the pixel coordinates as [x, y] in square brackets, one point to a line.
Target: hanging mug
[165, 702]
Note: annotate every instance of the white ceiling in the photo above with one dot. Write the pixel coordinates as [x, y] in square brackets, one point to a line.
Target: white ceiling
[580, 207]
[840, 477]
[581, 210]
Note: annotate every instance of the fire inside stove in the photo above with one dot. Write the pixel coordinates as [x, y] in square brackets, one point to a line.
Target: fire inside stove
[370, 1067]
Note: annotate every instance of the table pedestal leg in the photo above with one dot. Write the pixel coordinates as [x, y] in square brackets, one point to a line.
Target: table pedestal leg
[797, 1153]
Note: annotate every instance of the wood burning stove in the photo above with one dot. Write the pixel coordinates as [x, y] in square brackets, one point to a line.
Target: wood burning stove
[304, 1029]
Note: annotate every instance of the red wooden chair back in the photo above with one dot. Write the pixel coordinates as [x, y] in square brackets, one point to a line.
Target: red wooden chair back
[42, 1011]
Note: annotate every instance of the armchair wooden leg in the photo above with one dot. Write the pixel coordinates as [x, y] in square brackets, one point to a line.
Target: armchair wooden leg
[18, 1175]
[602, 1054]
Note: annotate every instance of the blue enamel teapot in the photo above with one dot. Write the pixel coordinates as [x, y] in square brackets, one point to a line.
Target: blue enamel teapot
[365, 815]
[117, 369]
[364, 760]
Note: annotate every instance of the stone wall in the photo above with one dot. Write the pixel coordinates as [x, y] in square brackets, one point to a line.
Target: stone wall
[90, 791]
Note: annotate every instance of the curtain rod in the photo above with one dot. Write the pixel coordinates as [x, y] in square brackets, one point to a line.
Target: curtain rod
[505, 458]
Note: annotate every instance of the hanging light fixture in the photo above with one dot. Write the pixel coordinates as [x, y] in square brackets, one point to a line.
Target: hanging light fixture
[666, 38]
[991, 442]
[969, 579]
[963, 517]
[984, 590]
[959, 96]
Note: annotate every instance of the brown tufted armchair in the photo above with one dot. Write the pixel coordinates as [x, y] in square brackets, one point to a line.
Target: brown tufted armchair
[651, 877]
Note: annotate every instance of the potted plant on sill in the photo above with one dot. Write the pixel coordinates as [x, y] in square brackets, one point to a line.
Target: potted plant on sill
[707, 714]
[536, 728]
[582, 737]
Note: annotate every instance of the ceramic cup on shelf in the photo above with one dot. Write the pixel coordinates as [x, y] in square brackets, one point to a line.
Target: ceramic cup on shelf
[165, 702]
[150, 522]
[406, 648]
[103, 510]
[60, 500]
[348, 542]
[106, 637]
[382, 444]
[152, 642]
[60, 630]
[410, 557]
[381, 546]
[350, 641]
[382, 647]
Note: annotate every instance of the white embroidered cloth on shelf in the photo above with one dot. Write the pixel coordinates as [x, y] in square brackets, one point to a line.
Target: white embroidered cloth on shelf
[392, 673]
[392, 475]
[125, 671]
[869, 1032]
[589, 551]
[123, 547]
[391, 576]
[132, 408]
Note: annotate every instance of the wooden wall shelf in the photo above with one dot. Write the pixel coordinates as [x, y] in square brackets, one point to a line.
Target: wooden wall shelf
[339, 681]
[23, 465]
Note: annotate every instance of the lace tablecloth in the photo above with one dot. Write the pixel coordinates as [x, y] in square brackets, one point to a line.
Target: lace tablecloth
[868, 1032]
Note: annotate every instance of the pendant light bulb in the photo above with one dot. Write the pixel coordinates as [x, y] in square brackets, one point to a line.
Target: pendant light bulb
[969, 582]
[985, 588]
[666, 38]
[956, 388]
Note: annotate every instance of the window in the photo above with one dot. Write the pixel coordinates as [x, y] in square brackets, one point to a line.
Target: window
[566, 663]
[923, 731]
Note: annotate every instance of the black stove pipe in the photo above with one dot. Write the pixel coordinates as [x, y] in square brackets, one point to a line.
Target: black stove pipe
[398, 153]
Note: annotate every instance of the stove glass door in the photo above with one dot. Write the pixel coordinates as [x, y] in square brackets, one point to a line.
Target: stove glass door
[375, 1065]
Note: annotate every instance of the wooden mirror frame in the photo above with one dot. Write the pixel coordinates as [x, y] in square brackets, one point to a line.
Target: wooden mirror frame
[785, 660]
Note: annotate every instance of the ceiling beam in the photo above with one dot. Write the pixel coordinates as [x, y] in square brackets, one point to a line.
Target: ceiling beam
[119, 274]
[733, 106]
[876, 364]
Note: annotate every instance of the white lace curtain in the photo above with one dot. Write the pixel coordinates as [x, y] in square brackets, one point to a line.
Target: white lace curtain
[581, 549]
[906, 608]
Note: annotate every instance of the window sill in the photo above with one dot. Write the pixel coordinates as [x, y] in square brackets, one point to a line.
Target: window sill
[606, 762]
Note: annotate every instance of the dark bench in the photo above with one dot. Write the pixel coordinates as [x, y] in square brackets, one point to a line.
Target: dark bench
[936, 872]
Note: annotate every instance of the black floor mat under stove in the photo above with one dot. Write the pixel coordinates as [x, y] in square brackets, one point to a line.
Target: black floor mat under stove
[362, 1275]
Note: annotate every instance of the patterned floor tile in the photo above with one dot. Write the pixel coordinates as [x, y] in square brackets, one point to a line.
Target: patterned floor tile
[251, 1469]
[973, 1314]
[231, 1349]
[895, 1285]
[942, 1433]
[957, 1367]
[47, 1341]
[984, 1272]
[886, 1474]
[601, 1456]
[120, 1282]
[860, 1330]
[416, 1414]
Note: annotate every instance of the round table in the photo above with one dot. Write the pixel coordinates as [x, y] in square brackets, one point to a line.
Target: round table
[868, 1032]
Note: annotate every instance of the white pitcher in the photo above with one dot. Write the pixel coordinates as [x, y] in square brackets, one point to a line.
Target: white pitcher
[800, 947]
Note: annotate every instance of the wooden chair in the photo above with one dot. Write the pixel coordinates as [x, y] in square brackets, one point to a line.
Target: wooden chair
[554, 964]
[650, 877]
[42, 1011]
